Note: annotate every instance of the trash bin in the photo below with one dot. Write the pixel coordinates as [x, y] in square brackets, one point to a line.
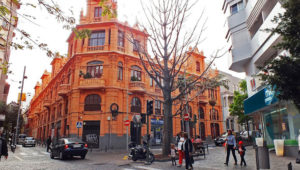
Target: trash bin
[262, 155]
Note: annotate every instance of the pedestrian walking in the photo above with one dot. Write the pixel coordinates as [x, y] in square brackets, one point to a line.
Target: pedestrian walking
[180, 149]
[242, 152]
[48, 143]
[178, 138]
[173, 155]
[3, 147]
[188, 150]
[231, 146]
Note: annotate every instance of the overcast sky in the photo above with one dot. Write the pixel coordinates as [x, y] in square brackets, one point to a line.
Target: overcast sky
[46, 29]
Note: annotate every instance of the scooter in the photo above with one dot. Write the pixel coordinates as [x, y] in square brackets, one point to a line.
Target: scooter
[138, 152]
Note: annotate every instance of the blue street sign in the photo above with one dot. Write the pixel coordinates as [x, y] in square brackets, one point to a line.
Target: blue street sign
[79, 124]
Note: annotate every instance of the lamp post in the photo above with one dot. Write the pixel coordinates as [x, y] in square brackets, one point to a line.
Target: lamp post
[212, 102]
[19, 110]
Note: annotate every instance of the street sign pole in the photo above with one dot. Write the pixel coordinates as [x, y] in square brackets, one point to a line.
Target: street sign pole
[147, 159]
[19, 110]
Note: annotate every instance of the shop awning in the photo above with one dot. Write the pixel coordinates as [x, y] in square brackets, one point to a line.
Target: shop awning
[261, 99]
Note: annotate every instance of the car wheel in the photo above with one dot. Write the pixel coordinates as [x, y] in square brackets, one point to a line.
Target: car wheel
[51, 155]
[82, 156]
[34, 145]
[61, 156]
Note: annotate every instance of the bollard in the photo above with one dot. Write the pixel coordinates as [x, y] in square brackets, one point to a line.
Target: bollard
[290, 167]
[262, 156]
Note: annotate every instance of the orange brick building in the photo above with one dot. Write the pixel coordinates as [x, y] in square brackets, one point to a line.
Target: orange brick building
[102, 70]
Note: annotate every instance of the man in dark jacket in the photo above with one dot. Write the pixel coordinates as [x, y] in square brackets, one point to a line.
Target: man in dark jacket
[48, 143]
[3, 147]
[188, 149]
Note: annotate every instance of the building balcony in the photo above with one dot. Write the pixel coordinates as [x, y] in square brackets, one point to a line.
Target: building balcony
[157, 90]
[63, 89]
[92, 83]
[47, 103]
[137, 86]
[202, 99]
[122, 49]
[97, 19]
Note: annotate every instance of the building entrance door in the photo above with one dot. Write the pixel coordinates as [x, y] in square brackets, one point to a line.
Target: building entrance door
[90, 133]
[135, 131]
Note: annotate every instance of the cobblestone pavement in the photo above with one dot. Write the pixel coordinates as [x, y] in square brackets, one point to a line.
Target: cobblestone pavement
[35, 158]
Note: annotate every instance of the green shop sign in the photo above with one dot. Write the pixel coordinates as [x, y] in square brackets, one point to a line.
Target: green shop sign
[261, 99]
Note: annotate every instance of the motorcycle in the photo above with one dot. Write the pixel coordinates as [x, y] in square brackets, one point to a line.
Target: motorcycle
[13, 148]
[138, 152]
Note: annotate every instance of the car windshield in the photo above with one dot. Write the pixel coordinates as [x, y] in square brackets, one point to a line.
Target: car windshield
[22, 136]
[29, 138]
[73, 140]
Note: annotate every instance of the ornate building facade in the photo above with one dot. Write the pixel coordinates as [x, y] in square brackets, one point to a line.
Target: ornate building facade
[104, 71]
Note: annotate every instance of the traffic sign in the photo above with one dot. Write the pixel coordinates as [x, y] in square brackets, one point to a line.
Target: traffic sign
[79, 124]
[186, 117]
[127, 122]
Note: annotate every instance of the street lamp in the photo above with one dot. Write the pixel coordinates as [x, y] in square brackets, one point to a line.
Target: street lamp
[20, 102]
[212, 102]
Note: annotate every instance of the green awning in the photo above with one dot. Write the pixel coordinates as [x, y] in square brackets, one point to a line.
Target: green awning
[261, 99]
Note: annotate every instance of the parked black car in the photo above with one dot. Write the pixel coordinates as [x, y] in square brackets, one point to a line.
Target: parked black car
[68, 147]
[219, 141]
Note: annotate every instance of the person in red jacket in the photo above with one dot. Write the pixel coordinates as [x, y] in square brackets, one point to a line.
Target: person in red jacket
[242, 152]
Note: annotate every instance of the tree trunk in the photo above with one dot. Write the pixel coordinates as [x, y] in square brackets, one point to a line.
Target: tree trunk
[168, 127]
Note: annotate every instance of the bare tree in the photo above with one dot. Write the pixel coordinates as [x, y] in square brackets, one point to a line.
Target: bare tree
[171, 48]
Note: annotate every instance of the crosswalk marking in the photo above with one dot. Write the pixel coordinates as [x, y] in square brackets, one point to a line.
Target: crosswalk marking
[18, 158]
[23, 154]
[46, 153]
[147, 168]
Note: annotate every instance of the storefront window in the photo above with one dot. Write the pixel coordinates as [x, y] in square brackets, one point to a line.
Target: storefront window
[282, 123]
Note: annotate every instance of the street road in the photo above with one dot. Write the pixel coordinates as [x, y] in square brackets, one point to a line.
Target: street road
[35, 158]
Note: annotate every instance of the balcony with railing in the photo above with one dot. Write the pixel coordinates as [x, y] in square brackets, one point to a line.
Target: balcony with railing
[63, 89]
[137, 86]
[91, 83]
[47, 103]
[157, 90]
[122, 49]
[97, 19]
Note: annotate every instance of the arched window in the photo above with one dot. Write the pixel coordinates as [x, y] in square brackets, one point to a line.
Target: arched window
[92, 103]
[201, 113]
[157, 107]
[136, 73]
[151, 79]
[198, 66]
[214, 114]
[121, 38]
[136, 106]
[120, 71]
[94, 69]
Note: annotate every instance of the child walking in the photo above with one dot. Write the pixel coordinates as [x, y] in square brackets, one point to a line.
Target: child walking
[242, 152]
[173, 155]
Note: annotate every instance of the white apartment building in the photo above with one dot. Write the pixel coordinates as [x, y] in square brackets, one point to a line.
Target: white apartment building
[251, 46]
[8, 24]
[227, 95]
